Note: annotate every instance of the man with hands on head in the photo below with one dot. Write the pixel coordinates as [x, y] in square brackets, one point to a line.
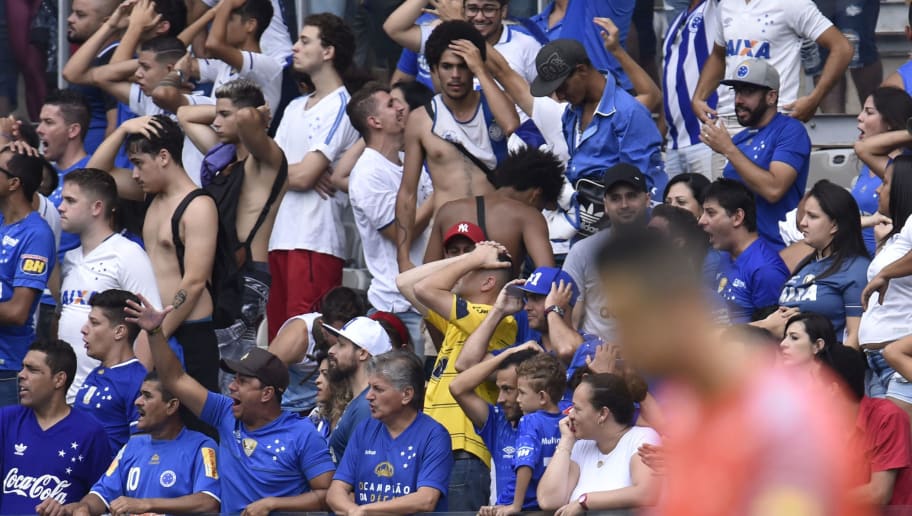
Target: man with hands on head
[462, 133]
[497, 424]
[269, 459]
[152, 473]
[454, 295]
[548, 297]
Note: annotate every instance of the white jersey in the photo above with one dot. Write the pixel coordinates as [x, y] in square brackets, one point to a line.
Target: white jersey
[275, 41]
[302, 386]
[608, 471]
[262, 69]
[372, 188]
[764, 29]
[892, 319]
[116, 263]
[688, 44]
[305, 220]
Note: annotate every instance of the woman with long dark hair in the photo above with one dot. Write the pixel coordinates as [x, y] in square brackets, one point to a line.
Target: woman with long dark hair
[886, 324]
[887, 109]
[829, 281]
[808, 338]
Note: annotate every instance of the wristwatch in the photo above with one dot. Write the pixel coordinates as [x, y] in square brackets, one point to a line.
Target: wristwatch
[556, 309]
[582, 501]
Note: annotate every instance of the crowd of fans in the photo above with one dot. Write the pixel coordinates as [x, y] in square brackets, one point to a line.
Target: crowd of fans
[175, 336]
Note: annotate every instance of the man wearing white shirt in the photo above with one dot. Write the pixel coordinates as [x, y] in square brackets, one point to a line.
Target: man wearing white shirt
[771, 30]
[518, 48]
[105, 260]
[306, 248]
[373, 187]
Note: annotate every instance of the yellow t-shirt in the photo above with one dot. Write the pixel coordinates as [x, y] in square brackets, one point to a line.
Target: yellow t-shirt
[464, 318]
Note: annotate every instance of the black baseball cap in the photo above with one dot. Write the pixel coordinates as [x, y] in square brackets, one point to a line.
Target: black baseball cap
[262, 365]
[624, 173]
[554, 63]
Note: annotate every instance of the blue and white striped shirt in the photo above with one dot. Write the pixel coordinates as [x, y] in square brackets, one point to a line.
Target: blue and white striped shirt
[688, 44]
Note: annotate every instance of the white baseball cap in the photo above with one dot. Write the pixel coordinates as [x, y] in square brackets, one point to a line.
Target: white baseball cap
[365, 333]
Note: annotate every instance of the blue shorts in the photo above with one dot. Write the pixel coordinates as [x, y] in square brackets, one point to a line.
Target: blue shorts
[857, 20]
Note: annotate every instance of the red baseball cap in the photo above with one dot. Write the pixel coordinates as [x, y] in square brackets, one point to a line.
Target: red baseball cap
[464, 229]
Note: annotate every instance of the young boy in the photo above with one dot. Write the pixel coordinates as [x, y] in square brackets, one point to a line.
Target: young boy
[111, 388]
[540, 383]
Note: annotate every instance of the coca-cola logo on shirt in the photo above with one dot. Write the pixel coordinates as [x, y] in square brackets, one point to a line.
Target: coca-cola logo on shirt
[41, 488]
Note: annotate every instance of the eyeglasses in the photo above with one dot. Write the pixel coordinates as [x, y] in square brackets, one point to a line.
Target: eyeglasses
[488, 10]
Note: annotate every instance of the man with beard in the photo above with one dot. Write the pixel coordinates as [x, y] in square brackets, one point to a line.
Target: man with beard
[496, 424]
[461, 134]
[86, 17]
[357, 341]
[771, 155]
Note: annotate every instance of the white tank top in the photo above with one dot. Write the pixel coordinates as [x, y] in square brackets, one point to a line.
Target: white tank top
[474, 134]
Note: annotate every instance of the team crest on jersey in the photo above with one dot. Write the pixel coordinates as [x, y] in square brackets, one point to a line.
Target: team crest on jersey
[167, 478]
[33, 264]
[249, 445]
[384, 469]
[694, 24]
[495, 133]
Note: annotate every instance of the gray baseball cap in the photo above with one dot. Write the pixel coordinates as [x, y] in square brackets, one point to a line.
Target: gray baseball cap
[554, 63]
[757, 72]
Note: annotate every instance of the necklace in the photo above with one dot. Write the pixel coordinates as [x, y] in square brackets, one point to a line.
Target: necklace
[601, 462]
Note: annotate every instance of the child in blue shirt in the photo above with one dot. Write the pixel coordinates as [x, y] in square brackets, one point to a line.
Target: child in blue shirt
[541, 381]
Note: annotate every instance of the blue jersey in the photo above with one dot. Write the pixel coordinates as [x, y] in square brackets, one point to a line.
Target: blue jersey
[865, 193]
[147, 468]
[107, 394]
[61, 462]
[835, 296]
[279, 459]
[752, 281]
[577, 24]
[499, 436]
[786, 140]
[27, 258]
[621, 131]
[381, 468]
[415, 64]
[536, 440]
[357, 411]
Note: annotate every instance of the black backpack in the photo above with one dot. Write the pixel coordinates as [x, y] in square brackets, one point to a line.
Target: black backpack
[232, 257]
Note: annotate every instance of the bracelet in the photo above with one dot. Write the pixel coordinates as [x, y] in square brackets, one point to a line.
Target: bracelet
[155, 331]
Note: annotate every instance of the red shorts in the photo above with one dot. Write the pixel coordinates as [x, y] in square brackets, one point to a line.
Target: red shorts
[299, 280]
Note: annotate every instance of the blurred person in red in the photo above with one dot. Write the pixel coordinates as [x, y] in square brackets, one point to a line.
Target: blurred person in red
[745, 437]
[881, 430]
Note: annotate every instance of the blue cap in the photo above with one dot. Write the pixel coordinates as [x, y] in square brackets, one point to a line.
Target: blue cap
[539, 282]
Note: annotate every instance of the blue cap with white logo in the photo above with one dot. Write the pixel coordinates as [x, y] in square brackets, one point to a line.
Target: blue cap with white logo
[539, 282]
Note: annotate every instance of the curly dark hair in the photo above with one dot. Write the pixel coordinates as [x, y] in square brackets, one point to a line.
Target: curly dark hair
[448, 32]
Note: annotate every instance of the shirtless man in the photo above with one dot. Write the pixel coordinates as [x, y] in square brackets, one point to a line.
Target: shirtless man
[154, 148]
[240, 117]
[455, 52]
[530, 180]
